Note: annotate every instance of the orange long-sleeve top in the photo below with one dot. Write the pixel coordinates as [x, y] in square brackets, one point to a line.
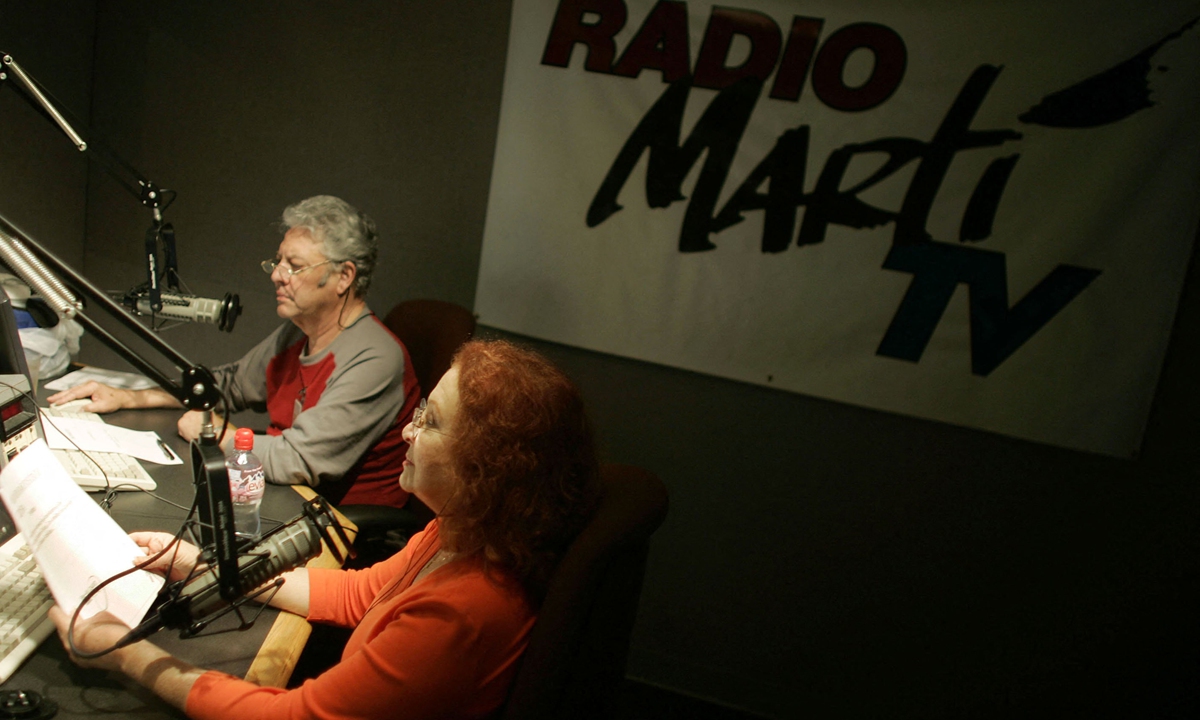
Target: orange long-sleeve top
[447, 647]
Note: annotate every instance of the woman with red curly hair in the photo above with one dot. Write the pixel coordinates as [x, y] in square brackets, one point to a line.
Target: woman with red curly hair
[502, 452]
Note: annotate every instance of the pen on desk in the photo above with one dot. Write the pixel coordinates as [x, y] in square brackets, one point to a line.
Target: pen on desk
[166, 450]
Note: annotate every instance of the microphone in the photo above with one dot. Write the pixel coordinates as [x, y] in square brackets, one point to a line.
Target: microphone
[191, 608]
[222, 313]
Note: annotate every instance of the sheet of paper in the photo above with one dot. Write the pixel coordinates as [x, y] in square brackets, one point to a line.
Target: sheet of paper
[77, 545]
[112, 378]
[89, 435]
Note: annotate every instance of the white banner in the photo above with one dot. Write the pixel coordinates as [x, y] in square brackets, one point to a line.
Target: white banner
[979, 213]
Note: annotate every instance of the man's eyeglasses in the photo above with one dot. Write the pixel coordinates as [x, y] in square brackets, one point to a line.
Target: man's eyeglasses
[419, 420]
[269, 266]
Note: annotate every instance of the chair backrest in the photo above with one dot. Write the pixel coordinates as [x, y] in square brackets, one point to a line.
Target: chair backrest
[431, 330]
[579, 646]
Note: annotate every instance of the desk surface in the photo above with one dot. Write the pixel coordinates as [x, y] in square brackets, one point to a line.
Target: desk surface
[266, 652]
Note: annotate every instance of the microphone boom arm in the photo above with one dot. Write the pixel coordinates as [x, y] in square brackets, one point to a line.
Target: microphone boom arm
[196, 390]
[148, 193]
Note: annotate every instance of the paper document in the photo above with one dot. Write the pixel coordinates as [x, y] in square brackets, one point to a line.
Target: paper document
[89, 435]
[112, 378]
[76, 544]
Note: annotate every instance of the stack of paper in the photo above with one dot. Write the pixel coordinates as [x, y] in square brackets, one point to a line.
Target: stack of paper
[76, 544]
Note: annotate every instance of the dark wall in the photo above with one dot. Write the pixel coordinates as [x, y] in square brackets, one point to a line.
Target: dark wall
[243, 108]
[819, 559]
[43, 177]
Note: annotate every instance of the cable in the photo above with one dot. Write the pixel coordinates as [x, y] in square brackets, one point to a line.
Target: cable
[174, 544]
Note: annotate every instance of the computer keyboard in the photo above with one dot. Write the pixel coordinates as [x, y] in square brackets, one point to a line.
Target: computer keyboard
[103, 470]
[25, 602]
[71, 412]
[93, 470]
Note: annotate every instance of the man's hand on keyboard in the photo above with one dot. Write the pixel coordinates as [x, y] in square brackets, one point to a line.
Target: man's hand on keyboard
[105, 399]
[176, 564]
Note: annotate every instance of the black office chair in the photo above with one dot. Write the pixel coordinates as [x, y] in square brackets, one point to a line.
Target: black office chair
[432, 331]
[579, 646]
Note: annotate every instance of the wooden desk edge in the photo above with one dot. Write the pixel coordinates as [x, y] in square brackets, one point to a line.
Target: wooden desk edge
[276, 659]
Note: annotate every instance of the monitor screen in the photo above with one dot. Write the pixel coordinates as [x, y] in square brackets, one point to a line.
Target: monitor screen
[12, 353]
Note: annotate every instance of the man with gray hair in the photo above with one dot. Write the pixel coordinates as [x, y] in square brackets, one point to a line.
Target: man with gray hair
[337, 385]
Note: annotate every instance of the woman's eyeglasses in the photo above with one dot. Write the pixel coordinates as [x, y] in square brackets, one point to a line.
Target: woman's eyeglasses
[419, 420]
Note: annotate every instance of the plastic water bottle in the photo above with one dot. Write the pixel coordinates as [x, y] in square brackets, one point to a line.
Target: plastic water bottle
[246, 484]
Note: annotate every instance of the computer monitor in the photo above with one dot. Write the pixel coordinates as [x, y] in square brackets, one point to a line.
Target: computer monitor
[12, 352]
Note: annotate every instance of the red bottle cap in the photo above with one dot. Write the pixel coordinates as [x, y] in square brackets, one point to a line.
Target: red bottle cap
[243, 439]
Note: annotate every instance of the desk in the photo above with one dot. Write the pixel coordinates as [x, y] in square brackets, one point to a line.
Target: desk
[266, 653]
